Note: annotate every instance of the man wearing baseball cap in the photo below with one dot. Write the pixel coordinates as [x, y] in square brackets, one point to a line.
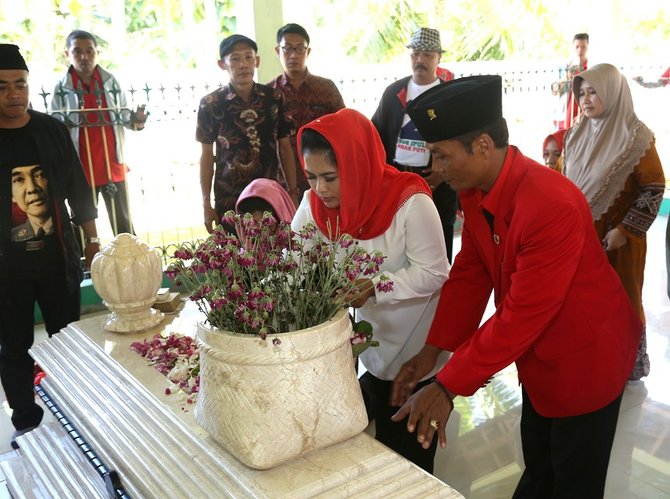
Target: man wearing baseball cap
[39, 254]
[404, 146]
[561, 315]
[251, 129]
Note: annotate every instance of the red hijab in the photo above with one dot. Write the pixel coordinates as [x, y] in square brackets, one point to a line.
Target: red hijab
[371, 192]
[558, 136]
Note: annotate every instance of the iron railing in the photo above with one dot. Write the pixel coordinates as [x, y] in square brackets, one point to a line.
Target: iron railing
[163, 180]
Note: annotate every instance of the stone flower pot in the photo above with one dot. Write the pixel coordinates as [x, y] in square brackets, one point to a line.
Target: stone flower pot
[267, 403]
[126, 274]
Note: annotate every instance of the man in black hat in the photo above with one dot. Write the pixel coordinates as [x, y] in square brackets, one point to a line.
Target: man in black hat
[404, 146]
[39, 255]
[561, 315]
[251, 129]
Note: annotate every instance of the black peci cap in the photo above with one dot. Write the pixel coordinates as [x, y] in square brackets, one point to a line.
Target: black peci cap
[457, 107]
[11, 58]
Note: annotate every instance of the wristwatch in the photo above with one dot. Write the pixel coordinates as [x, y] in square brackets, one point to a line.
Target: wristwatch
[93, 240]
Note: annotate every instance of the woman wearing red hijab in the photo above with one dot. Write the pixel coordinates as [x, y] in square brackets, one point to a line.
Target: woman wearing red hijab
[552, 150]
[353, 191]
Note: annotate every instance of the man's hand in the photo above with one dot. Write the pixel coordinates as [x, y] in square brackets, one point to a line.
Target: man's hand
[365, 289]
[90, 250]
[140, 117]
[412, 372]
[614, 240]
[211, 218]
[428, 411]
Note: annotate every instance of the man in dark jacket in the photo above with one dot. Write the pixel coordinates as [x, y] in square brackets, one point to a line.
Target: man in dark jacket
[39, 255]
[405, 148]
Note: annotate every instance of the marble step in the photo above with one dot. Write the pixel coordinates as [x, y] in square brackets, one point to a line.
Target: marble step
[158, 454]
[50, 465]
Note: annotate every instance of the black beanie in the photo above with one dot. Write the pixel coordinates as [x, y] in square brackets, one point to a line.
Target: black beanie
[11, 58]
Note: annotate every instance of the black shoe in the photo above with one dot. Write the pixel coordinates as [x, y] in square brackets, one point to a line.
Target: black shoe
[18, 433]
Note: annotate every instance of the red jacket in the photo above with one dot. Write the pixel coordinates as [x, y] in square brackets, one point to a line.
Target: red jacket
[561, 312]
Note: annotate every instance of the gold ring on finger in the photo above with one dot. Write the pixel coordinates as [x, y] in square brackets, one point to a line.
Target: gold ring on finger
[434, 424]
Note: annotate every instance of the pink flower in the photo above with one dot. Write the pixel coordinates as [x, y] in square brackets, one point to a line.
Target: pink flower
[346, 240]
[184, 253]
[358, 338]
[229, 218]
[377, 257]
[217, 303]
[256, 293]
[235, 292]
[385, 285]
[246, 259]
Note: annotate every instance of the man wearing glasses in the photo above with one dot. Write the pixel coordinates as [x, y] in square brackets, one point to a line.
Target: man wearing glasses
[405, 148]
[306, 96]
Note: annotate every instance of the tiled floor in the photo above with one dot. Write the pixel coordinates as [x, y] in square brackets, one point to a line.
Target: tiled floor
[483, 458]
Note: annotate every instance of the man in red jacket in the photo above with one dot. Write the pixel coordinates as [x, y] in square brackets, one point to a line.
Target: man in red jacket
[561, 313]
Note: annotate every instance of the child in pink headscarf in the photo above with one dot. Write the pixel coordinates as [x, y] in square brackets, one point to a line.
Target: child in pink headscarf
[263, 195]
[260, 196]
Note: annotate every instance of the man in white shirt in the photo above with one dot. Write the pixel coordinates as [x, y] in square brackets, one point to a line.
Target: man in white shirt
[404, 146]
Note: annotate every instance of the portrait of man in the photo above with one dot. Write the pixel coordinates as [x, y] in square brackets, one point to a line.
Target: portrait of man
[30, 193]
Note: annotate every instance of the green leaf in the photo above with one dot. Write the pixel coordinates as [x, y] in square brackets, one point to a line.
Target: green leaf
[363, 327]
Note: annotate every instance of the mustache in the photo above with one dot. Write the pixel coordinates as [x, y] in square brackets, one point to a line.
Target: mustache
[418, 65]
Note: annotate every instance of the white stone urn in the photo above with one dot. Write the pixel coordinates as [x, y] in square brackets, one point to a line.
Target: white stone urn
[127, 274]
[270, 401]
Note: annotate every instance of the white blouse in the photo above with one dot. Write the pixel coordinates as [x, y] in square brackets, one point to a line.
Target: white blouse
[416, 262]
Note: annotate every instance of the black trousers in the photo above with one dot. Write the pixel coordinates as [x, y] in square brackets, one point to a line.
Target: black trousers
[566, 457]
[377, 393]
[35, 276]
[446, 202]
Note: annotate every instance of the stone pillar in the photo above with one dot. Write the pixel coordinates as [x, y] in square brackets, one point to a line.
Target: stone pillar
[260, 20]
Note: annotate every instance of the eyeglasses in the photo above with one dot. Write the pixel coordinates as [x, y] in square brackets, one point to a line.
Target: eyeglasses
[288, 49]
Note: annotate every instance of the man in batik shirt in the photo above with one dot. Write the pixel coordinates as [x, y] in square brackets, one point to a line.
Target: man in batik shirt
[251, 129]
[306, 96]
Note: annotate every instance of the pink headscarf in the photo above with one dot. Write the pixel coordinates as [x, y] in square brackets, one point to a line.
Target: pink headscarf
[273, 193]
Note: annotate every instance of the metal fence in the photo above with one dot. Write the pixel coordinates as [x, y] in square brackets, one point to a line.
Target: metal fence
[163, 179]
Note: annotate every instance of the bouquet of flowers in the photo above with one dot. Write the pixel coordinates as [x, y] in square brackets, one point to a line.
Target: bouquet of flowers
[268, 280]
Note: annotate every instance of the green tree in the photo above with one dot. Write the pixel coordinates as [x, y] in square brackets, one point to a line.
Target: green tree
[150, 34]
